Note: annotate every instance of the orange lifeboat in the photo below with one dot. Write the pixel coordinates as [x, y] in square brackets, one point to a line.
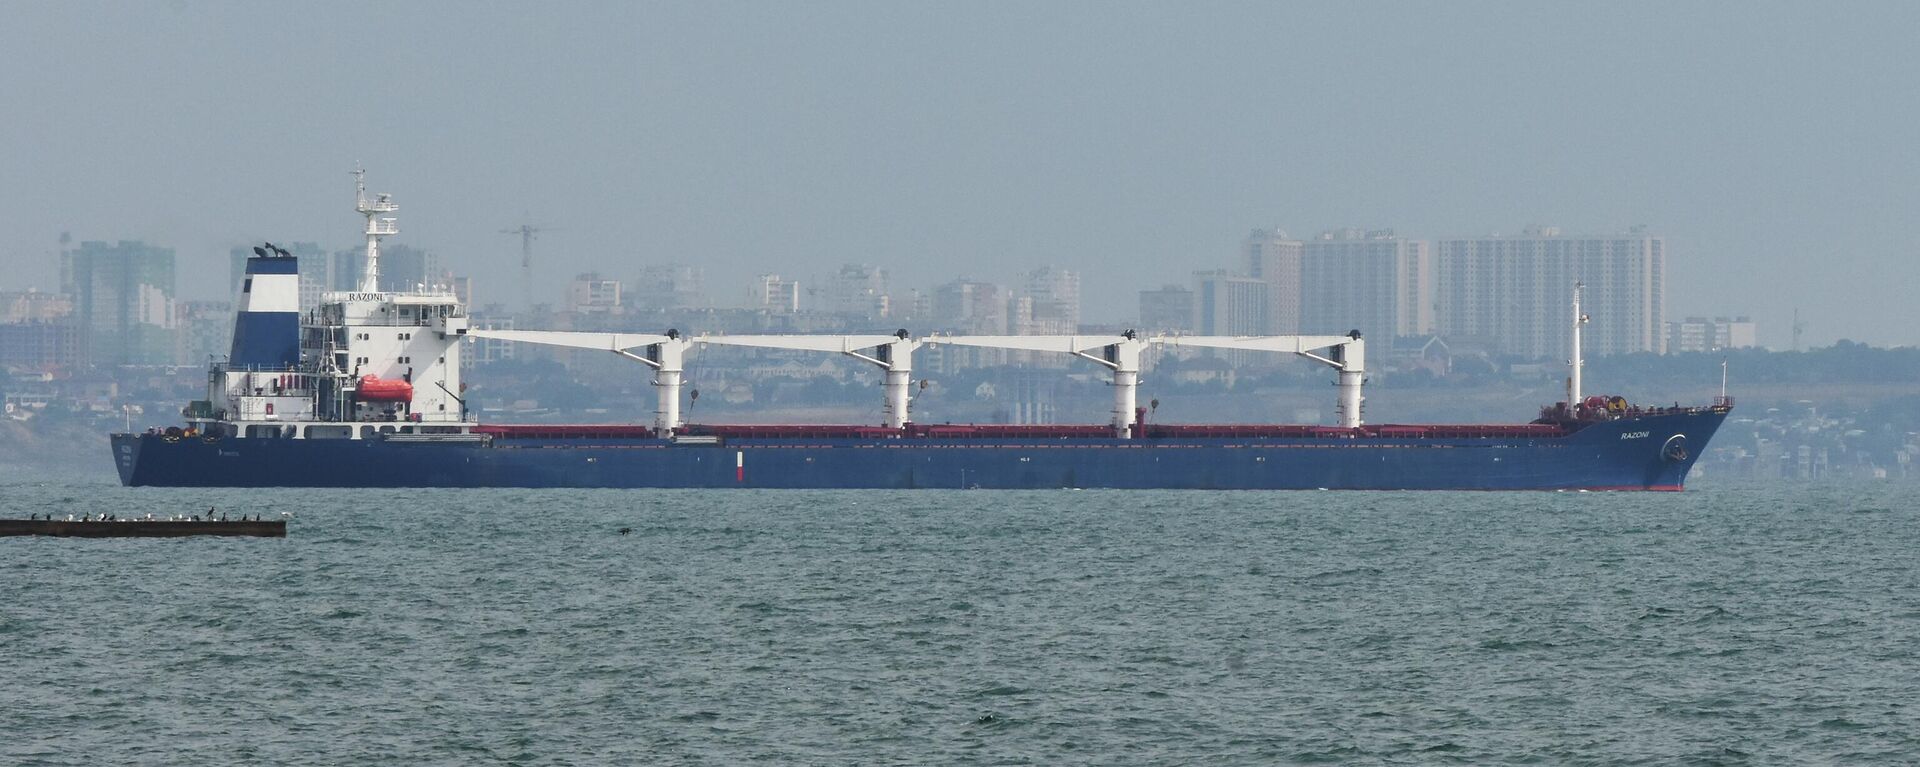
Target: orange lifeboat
[377, 389]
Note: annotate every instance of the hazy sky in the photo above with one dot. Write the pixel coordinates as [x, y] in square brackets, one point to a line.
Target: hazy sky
[1772, 144]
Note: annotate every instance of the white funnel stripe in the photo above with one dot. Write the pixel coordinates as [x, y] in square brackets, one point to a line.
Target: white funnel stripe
[271, 293]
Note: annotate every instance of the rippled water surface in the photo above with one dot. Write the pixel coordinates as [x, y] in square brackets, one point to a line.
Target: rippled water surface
[1718, 626]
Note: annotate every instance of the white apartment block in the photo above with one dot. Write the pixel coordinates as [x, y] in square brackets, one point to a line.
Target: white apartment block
[591, 293]
[1513, 294]
[1700, 334]
[1371, 281]
[1168, 309]
[1056, 302]
[1228, 304]
[857, 291]
[776, 294]
[1274, 258]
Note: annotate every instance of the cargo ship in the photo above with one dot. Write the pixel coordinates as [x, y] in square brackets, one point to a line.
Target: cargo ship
[365, 390]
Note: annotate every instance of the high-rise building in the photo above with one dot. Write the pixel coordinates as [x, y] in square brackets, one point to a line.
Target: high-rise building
[776, 294]
[591, 293]
[1168, 309]
[18, 306]
[1700, 334]
[123, 301]
[1514, 294]
[485, 350]
[1228, 304]
[1020, 319]
[42, 347]
[971, 306]
[461, 285]
[1055, 308]
[1371, 281]
[911, 306]
[1274, 258]
[206, 331]
[37, 331]
[668, 286]
[857, 292]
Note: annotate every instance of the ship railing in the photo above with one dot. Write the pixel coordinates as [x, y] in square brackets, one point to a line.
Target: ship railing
[268, 391]
[1719, 404]
[218, 370]
[1558, 412]
[394, 322]
[225, 367]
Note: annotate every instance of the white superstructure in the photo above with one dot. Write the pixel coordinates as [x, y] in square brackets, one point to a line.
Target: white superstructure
[413, 337]
[363, 363]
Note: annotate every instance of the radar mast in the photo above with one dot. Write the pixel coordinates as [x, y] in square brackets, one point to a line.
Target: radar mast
[377, 227]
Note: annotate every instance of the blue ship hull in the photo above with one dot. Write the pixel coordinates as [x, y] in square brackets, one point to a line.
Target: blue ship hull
[1638, 453]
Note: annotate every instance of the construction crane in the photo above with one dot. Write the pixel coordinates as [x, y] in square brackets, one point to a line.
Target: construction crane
[526, 232]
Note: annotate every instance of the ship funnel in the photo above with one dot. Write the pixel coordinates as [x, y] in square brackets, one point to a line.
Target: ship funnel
[266, 324]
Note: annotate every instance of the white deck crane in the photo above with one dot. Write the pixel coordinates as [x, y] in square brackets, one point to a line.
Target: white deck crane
[665, 353]
[893, 354]
[1120, 353]
[1347, 355]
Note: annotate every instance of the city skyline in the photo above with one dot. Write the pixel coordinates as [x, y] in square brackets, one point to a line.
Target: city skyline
[1505, 295]
[335, 264]
[1765, 144]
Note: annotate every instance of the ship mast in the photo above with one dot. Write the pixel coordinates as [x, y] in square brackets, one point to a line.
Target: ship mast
[1573, 380]
[377, 227]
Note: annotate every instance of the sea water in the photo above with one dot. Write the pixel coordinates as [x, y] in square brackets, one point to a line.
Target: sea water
[1771, 624]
